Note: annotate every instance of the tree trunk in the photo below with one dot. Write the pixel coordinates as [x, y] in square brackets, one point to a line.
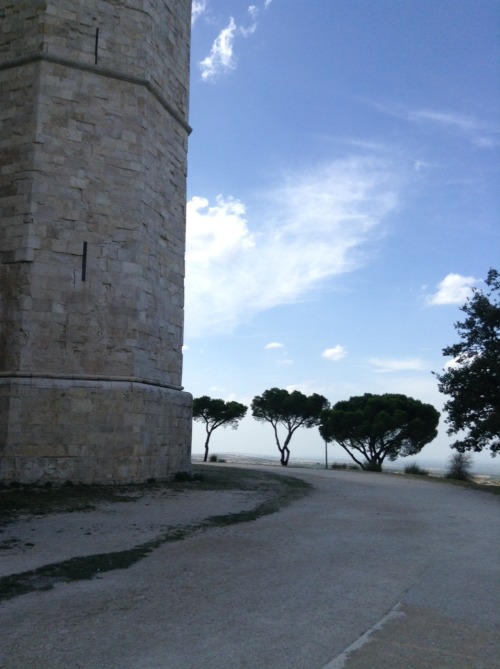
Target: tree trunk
[206, 448]
[285, 454]
[373, 465]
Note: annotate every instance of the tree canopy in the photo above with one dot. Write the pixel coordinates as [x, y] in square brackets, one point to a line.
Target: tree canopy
[371, 428]
[472, 380]
[290, 410]
[216, 412]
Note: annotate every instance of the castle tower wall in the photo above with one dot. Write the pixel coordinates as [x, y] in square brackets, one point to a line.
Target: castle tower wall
[93, 144]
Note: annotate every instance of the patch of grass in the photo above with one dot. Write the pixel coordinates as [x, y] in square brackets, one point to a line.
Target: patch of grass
[344, 465]
[416, 470]
[79, 568]
[278, 491]
[494, 489]
[35, 500]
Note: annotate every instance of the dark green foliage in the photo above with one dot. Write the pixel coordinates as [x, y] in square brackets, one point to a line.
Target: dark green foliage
[288, 410]
[344, 466]
[371, 428]
[473, 381]
[416, 470]
[214, 413]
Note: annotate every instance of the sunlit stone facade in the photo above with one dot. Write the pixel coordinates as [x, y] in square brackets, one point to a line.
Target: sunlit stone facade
[93, 144]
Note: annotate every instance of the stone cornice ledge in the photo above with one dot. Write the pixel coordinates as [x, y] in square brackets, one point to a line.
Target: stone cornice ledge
[88, 377]
[103, 72]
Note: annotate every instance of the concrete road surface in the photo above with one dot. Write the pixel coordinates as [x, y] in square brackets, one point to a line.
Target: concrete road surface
[369, 571]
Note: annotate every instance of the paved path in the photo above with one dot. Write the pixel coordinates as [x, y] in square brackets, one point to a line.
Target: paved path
[368, 572]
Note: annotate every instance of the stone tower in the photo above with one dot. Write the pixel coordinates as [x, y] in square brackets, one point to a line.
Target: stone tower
[93, 143]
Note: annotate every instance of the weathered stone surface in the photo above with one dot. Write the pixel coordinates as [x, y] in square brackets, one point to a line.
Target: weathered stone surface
[92, 431]
[93, 136]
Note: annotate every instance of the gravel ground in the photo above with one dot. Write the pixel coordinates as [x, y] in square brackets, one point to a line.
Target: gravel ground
[31, 542]
[369, 571]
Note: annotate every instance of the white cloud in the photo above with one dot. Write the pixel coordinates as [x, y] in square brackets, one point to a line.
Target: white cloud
[475, 131]
[479, 133]
[221, 59]
[460, 361]
[308, 387]
[453, 289]
[317, 225]
[218, 233]
[334, 354]
[253, 11]
[385, 365]
[452, 364]
[198, 8]
[444, 118]
[276, 345]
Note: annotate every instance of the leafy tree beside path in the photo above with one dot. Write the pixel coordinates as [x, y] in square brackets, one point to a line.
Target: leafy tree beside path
[290, 410]
[371, 428]
[472, 381]
[216, 413]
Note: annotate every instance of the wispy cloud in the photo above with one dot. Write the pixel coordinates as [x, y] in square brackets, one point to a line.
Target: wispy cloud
[334, 354]
[315, 225]
[222, 59]
[387, 365]
[274, 344]
[198, 8]
[453, 289]
[479, 133]
[475, 131]
[278, 346]
[308, 387]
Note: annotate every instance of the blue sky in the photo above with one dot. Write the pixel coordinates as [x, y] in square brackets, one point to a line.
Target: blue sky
[342, 199]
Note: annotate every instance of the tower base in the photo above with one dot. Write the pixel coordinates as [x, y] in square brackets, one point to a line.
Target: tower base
[92, 431]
